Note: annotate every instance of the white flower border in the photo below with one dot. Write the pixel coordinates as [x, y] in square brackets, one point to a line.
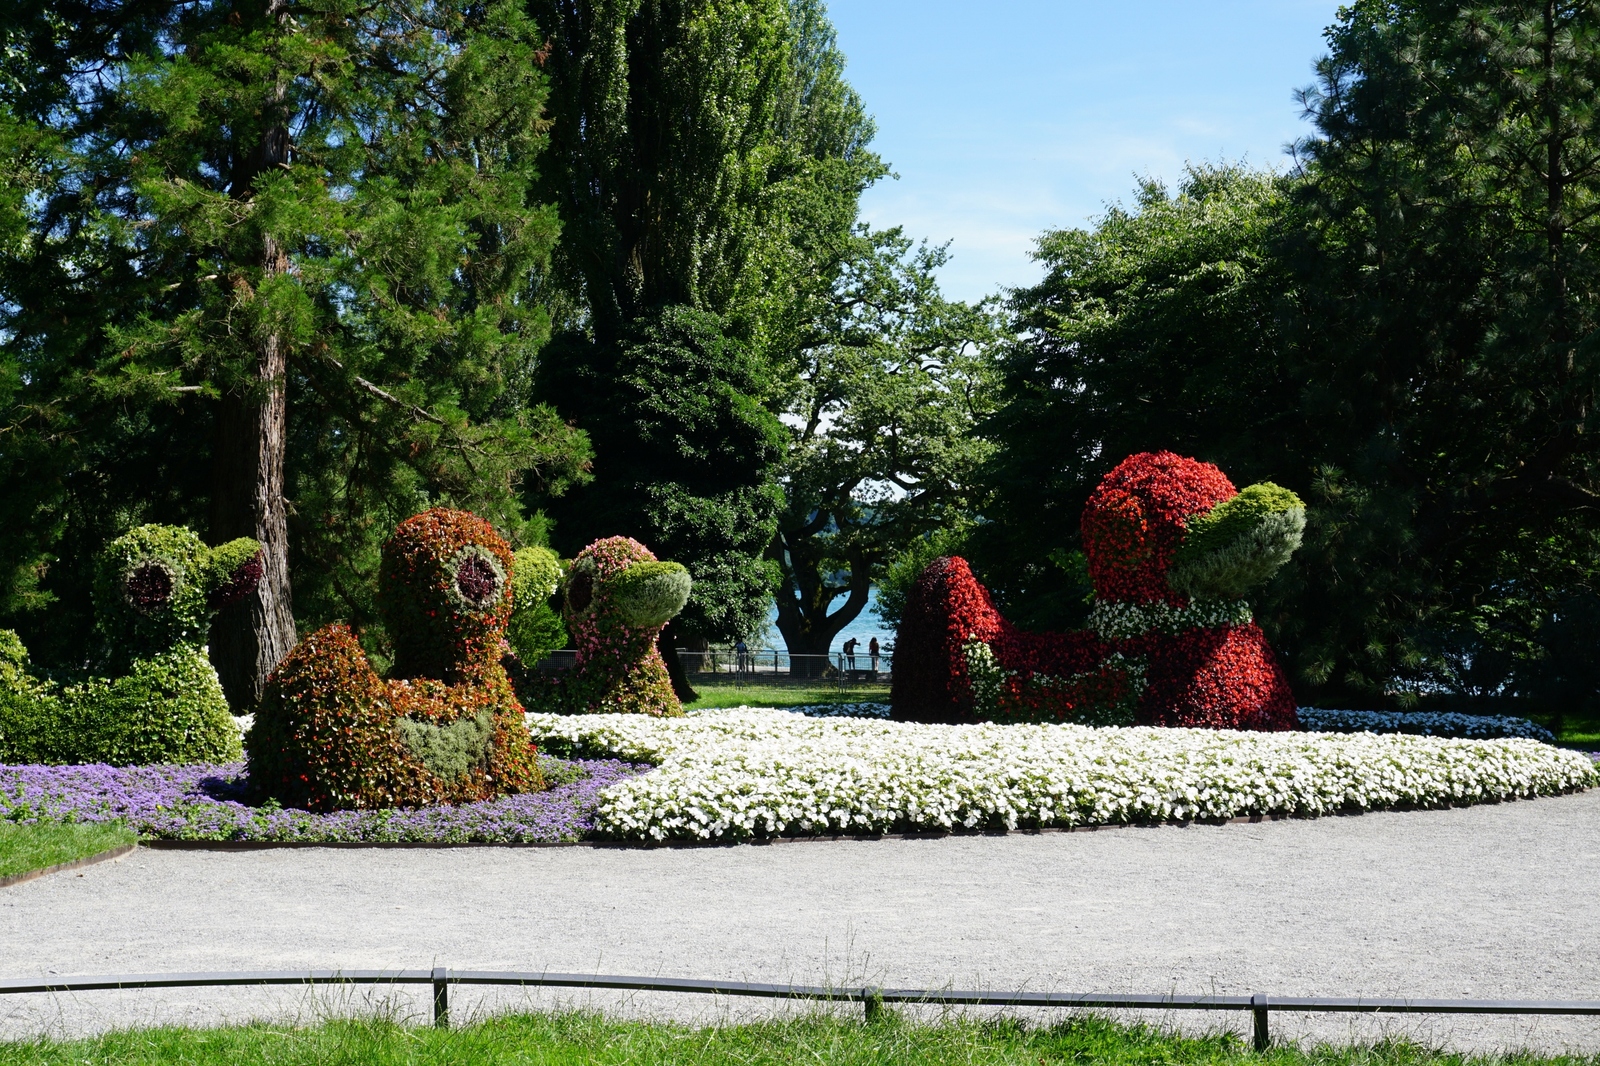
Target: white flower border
[1424, 723]
[749, 773]
[1114, 620]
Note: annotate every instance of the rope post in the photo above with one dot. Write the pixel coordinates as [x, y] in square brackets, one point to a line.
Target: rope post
[1258, 1007]
[441, 997]
[872, 1004]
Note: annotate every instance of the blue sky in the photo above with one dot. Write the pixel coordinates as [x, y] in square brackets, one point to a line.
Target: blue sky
[1007, 118]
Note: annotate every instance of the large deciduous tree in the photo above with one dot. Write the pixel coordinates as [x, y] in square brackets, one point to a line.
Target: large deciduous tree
[893, 380]
[279, 271]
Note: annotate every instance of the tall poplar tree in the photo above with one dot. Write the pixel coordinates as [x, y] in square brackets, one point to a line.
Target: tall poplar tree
[706, 157]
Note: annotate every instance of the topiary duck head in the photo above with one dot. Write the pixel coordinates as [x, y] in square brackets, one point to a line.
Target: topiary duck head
[1164, 528]
[445, 595]
[617, 588]
[158, 587]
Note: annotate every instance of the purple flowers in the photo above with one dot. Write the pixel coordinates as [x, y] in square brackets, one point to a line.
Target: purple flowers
[204, 802]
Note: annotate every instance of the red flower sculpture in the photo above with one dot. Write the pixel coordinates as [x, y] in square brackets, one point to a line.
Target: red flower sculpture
[1172, 546]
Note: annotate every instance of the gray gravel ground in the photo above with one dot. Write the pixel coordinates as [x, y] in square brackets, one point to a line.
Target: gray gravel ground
[1493, 901]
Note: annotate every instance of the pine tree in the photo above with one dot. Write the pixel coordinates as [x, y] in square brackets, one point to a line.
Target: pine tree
[289, 250]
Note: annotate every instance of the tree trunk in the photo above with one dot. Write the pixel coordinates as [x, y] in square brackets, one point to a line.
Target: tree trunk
[250, 638]
[803, 600]
[668, 646]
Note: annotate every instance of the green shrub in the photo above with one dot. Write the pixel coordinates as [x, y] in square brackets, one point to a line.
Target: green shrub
[1239, 543]
[156, 590]
[535, 629]
[168, 708]
[649, 594]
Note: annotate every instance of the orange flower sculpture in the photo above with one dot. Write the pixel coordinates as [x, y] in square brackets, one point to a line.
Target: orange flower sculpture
[445, 727]
[1172, 548]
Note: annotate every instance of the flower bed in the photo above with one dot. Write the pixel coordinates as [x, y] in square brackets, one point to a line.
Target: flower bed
[752, 773]
[1422, 723]
[840, 710]
[202, 802]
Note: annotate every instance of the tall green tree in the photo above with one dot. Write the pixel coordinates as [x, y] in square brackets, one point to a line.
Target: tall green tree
[687, 458]
[707, 157]
[881, 449]
[279, 280]
[1451, 289]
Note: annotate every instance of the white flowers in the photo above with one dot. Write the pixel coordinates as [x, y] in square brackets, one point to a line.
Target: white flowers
[1115, 620]
[746, 773]
[1427, 723]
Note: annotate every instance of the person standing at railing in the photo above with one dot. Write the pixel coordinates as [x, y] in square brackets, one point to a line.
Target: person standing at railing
[742, 655]
[872, 650]
[849, 649]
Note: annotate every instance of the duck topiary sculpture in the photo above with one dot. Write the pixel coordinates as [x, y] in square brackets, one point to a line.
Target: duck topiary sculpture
[156, 590]
[617, 596]
[1172, 550]
[444, 727]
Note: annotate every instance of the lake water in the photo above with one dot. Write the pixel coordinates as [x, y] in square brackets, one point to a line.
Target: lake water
[867, 625]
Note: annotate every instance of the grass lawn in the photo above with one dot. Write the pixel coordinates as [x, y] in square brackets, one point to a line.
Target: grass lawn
[586, 1038]
[31, 847]
[784, 695]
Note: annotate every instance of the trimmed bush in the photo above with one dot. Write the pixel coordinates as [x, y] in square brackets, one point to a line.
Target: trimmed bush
[618, 597]
[446, 728]
[1239, 543]
[1157, 530]
[535, 629]
[156, 590]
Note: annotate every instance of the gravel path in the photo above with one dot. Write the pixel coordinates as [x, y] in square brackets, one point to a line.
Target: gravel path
[1486, 902]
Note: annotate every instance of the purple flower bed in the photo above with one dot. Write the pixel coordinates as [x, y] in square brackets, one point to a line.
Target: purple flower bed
[203, 802]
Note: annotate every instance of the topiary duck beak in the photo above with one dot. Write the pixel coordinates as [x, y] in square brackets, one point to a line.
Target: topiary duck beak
[1240, 542]
[648, 594]
[235, 571]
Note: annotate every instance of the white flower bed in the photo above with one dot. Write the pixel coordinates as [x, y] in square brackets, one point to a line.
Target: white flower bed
[744, 773]
[1426, 723]
[837, 710]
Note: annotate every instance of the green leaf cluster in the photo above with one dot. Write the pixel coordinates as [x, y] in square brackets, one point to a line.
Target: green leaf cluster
[1239, 543]
[535, 629]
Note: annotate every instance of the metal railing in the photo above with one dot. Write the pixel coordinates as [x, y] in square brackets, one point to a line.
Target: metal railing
[766, 666]
[872, 998]
[771, 666]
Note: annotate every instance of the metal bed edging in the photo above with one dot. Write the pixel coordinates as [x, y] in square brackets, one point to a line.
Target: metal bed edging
[871, 998]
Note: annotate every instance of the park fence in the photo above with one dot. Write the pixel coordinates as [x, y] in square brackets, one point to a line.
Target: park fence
[767, 666]
[872, 999]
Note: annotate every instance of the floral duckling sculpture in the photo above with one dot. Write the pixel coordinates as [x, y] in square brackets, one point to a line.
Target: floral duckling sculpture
[617, 598]
[156, 590]
[1172, 549]
[445, 727]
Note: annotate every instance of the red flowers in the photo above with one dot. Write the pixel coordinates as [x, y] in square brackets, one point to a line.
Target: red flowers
[1134, 521]
[957, 659]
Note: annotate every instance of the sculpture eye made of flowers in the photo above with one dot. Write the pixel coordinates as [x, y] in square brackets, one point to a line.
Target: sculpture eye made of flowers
[156, 590]
[617, 597]
[445, 727]
[1172, 548]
